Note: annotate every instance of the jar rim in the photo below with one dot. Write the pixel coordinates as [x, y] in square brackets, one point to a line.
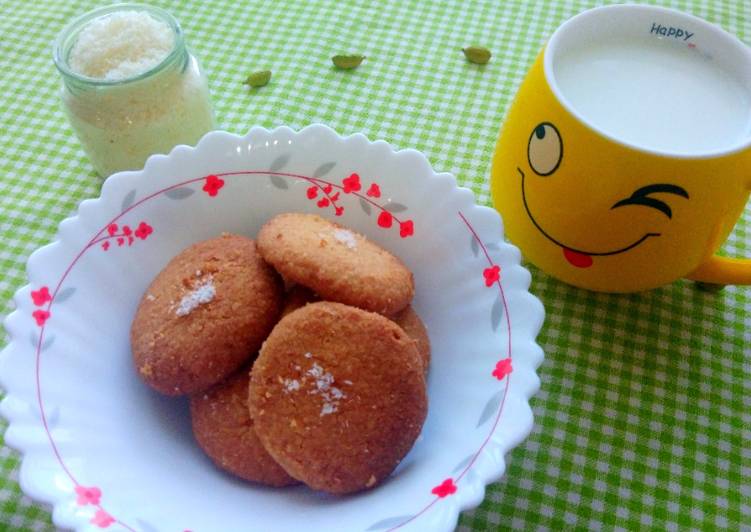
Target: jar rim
[66, 38]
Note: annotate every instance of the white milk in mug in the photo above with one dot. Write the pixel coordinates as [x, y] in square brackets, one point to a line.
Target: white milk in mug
[656, 89]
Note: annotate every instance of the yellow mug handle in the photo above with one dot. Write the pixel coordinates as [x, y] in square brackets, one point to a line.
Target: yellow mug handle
[723, 270]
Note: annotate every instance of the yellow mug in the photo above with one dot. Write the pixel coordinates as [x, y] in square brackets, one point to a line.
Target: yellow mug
[625, 160]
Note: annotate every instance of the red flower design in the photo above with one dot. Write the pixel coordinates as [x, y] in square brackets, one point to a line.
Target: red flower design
[445, 488]
[328, 188]
[492, 275]
[385, 219]
[323, 202]
[126, 230]
[105, 245]
[374, 191]
[102, 519]
[407, 229]
[213, 185]
[41, 316]
[143, 230]
[502, 368]
[41, 296]
[112, 229]
[120, 241]
[338, 211]
[312, 192]
[88, 495]
[351, 183]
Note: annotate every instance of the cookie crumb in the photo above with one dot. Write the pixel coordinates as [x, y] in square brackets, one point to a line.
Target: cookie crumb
[346, 237]
[202, 294]
[147, 370]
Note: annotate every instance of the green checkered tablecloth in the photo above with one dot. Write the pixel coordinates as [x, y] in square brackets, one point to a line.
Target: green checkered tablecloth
[644, 415]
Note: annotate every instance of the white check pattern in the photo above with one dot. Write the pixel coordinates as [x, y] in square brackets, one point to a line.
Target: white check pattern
[643, 419]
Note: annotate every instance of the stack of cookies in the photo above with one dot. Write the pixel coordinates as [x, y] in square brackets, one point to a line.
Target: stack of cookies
[336, 395]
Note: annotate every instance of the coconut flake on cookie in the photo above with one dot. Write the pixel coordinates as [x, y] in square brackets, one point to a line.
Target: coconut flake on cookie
[330, 394]
[346, 237]
[203, 293]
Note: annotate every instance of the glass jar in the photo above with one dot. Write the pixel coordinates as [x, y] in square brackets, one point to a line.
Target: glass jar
[120, 123]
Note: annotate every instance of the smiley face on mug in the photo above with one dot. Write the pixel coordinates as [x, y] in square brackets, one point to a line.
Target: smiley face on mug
[545, 157]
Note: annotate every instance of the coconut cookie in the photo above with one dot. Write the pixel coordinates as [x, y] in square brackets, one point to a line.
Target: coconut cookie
[337, 396]
[224, 430]
[411, 323]
[336, 263]
[205, 314]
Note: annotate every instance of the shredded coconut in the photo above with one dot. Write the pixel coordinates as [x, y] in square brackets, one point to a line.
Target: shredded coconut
[330, 394]
[150, 297]
[346, 237]
[121, 45]
[308, 355]
[327, 409]
[202, 294]
[291, 385]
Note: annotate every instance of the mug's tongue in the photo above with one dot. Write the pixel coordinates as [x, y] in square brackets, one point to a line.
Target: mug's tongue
[575, 258]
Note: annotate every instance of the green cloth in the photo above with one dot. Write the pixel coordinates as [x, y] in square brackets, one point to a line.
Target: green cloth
[643, 419]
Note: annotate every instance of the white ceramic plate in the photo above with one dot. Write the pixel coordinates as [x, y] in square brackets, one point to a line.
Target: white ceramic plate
[107, 452]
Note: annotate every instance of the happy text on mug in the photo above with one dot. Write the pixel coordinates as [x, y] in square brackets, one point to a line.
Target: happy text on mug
[671, 31]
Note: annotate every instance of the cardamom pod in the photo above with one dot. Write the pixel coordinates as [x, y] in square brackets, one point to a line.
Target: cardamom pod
[477, 54]
[347, 62]
[258, 79]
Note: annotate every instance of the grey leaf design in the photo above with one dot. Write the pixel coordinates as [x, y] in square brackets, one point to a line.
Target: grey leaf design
[365, 206]
[279, 182]
[34, 339]
[490, 408]
[280, 162]
[145, 526]
[395, 207]
[64, 295]
[464, 463]
[389, 522]
[474, 245]
[179, 193]
[324, 169]
[496, 313]
[128, 200]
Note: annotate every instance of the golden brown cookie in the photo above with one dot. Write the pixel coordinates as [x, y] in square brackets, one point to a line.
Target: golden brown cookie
[336, 263]
[298, 296]
[224, 430]
[205, 314]
[338, 396]
[411, 323]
